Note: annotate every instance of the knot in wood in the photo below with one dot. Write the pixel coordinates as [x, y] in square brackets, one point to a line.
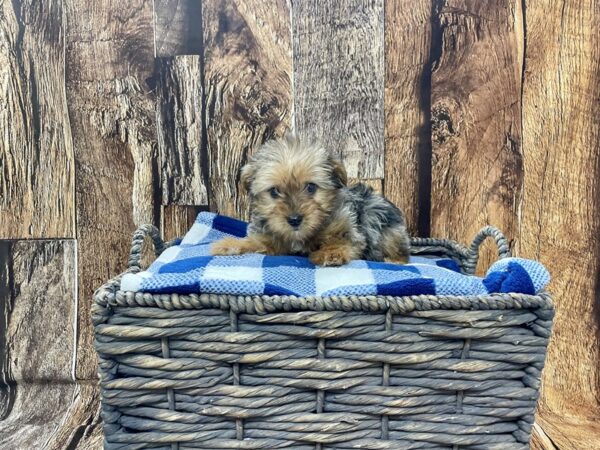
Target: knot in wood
[443, 126]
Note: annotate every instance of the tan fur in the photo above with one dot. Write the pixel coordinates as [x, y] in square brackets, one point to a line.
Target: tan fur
[334, 254]
[391, 241]
[332, 246]
[235, 246]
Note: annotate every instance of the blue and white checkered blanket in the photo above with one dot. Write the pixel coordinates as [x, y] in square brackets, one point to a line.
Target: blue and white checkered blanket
[189, 268]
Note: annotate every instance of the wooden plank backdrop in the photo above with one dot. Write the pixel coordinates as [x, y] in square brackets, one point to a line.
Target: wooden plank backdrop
[114, 114]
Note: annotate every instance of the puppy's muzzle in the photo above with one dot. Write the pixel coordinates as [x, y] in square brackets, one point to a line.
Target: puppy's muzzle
[295, 220]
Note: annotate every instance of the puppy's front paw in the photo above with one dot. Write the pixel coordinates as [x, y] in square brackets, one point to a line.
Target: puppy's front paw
[228, 246]
[397, 260]
[331, 256]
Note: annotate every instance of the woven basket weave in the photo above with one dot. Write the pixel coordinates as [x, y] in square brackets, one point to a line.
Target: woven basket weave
[227, 372]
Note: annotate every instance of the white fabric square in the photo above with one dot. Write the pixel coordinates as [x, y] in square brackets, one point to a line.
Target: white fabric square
[168, 255]
[197, 233]
[133, 281]
[328, 278]
[233, 273]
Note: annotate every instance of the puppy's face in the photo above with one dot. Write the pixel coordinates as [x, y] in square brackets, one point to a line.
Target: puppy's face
[293, 187]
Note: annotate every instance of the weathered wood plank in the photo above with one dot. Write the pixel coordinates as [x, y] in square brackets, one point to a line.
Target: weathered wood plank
[477, 166]
[36, 152]
[7, 391]
[81, 427]
[39, 307]
[35, 415]
[247, 74]
[177, 220]
[539, 439]
[52, 416]
[560, 220]
[339, 79]
[41, 407]
[407, 128]
[179, 114]
[110, 56]
[559, 432]
[177, 27]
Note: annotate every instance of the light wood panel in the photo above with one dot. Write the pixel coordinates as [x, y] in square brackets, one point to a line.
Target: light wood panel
[36, 152]
[38, 301]
[179, 111]
[177, 27]
[560, 221]
[247, 79]
[52, 416]
[407, 103]
[109, 56]
[41, 407]
[339, 79]
[477, 161]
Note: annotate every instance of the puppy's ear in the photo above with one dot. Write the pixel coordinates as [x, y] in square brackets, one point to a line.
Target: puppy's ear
[338, 172]
[247, 175]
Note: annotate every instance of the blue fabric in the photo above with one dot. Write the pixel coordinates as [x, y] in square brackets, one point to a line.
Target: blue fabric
[189, 268]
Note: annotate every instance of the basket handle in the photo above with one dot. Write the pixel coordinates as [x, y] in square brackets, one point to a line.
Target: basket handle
[137, 244]
[488, 231]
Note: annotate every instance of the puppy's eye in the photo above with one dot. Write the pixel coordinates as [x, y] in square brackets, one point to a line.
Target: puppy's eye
[274, 192]
[311, 188]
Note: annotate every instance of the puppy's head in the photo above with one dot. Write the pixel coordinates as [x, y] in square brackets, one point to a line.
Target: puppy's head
[293, 186]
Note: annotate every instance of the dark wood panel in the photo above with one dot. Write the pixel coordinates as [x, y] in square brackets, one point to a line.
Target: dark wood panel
[177, 27]
[110, 58]
[407, 90]
[179, 111]
[339, 79]
[36, 152]
[560, 220]
[247, 75]
[477, 161]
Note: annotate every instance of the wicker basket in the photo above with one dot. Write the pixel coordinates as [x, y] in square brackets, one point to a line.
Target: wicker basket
[228, 372]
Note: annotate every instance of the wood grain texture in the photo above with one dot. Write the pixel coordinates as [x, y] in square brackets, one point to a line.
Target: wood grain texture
[539, 439]
[407, 129]
[560, 221]
[81, 427]
[559, 432]
[40, 405]
[53, 416]
[339, 79]
[247, 77]
[109, 60]
[177, 220]
[36, 152]
[39, 310]
[179, 114]
[177, 27]
[477, 162]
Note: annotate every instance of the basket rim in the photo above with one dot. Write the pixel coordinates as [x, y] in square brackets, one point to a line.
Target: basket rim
[110, 296]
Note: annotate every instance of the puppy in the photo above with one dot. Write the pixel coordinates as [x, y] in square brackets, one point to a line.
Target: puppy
[301, 205]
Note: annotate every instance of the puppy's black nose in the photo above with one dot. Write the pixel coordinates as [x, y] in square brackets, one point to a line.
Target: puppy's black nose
[295, 220]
